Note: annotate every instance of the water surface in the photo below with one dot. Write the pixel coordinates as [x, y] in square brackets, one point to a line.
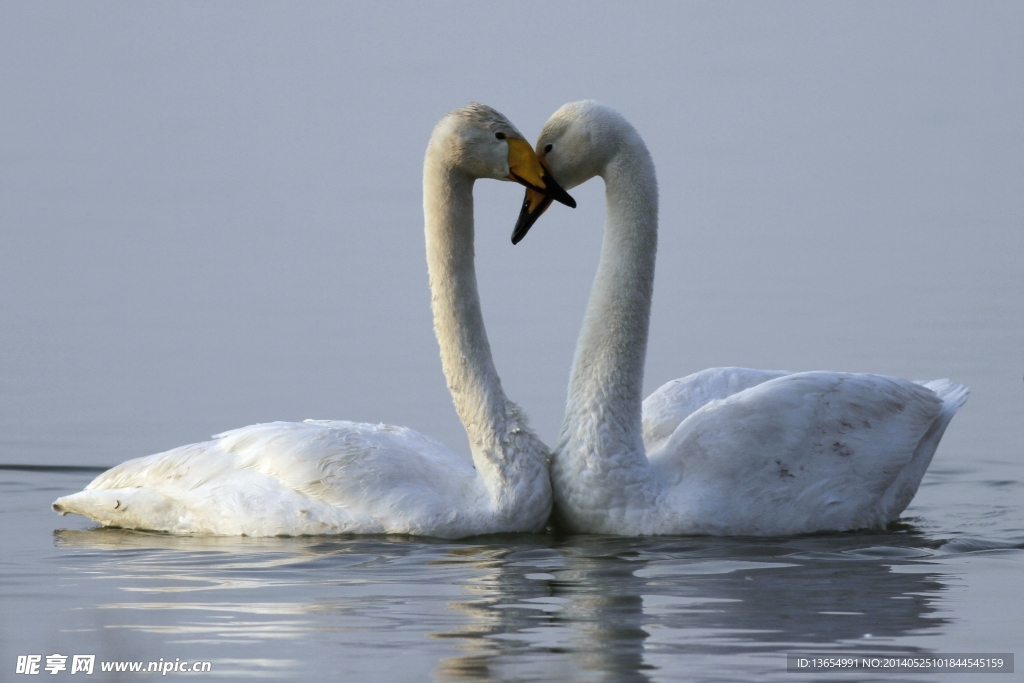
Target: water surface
[520, 607]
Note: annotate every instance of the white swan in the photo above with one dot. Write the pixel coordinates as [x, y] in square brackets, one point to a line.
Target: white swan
[323, 477]
[726, 451]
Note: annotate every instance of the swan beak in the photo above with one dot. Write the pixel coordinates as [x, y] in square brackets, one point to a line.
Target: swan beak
[534, 205]
[526, 168]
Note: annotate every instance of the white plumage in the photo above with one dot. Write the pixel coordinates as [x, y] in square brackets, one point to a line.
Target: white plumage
[293, 478]
[794, 453]
[726, 451]
[322, 477]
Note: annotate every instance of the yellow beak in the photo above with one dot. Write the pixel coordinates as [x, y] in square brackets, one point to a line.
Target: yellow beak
[526, 168]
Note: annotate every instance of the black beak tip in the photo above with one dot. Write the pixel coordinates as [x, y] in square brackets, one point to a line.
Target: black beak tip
[523, 225]
[555, 191]
[527, 218]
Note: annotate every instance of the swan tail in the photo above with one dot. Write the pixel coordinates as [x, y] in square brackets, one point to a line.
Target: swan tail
[901, 492]
[269, 511]
[127, 508]
[953, 396]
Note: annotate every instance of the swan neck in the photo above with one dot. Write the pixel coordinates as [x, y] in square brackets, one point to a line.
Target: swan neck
[492, 422]
[606, 386]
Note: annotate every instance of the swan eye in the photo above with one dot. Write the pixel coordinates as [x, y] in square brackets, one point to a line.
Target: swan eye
[548, 147]
[500, 136]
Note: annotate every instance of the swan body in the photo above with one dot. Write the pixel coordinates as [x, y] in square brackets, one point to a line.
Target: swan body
[726, 451]
[296, 478]
[327, 477]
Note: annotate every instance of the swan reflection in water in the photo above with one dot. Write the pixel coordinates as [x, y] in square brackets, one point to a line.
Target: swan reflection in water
[622, 607]
[521, 607]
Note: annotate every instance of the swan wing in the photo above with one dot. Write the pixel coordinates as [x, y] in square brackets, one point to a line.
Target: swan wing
[673, 402]
[804, 452]
[288, 478]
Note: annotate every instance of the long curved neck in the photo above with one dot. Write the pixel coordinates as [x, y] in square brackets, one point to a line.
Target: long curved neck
[603, 414]
[495, 426]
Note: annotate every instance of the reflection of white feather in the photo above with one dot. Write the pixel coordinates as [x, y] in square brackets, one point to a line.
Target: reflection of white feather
[726, 450]
[321, 477]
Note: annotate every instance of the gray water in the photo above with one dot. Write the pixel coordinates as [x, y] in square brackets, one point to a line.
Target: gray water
[211, 216]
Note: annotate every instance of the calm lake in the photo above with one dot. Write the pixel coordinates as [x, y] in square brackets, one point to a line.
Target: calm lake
[211, 217]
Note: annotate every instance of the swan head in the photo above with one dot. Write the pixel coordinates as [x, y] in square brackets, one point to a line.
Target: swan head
[577, 143]
[481, 143]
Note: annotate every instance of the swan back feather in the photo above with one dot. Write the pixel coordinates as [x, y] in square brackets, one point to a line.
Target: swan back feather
[799, 453]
